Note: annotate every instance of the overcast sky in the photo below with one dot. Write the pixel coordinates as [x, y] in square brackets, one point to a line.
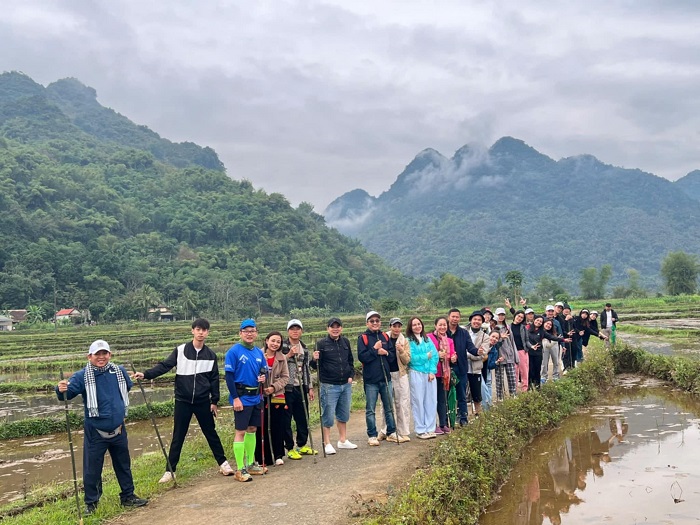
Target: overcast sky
[312, 99]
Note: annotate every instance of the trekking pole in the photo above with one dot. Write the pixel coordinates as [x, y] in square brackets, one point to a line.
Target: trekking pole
[269, 429]
[262, 426]
[390, 394]
[320, 409]
[155, 427]
[306, 404]
[72, 455]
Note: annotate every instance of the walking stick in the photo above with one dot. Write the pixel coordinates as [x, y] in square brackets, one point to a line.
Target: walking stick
[155, 426]
[269, 429]
[262, 425]
[306, 403]
[72, 455]
[390, 394]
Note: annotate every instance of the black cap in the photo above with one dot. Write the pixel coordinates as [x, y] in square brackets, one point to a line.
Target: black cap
[475, 313]
[334, 320]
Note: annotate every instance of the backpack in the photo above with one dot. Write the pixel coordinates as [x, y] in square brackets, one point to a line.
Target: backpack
[365, 339]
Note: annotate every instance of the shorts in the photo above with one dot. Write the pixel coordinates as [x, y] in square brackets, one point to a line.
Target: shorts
[248, 417]
[335, 401]
[475, 386]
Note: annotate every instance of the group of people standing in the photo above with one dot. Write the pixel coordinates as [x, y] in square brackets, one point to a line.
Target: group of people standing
[424, 379]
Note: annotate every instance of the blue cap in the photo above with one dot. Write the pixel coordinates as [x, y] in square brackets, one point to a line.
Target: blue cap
[248, 323]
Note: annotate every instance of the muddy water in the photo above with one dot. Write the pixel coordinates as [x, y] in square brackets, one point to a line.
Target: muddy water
[15, 407]
[656, 344]
[634, 459]
[29, 461]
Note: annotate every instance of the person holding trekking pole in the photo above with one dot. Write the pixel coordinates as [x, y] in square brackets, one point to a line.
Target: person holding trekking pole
[278, 413]
[401, 393]
[245, 368]
[104, 387]
[373, 353]
[196, 394]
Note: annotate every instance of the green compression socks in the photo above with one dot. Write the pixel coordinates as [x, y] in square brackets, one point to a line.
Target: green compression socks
[239, 452]
[249, 442]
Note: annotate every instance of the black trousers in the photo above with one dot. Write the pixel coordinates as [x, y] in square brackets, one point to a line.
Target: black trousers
[295, 402]
[274, 429]
[94, 449]
[568, 360]
[181, 423]
[535, 369]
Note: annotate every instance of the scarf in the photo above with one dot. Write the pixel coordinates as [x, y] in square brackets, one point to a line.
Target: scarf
[91, 387]
[444, 346]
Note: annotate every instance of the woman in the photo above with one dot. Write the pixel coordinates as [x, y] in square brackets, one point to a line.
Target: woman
[507, 356]
[276, 416]
[550, 350]
[522, 344]
[422, 370]
[582, 327]
[593, 320]
[446, 356]
[539, 336]
[488, 367]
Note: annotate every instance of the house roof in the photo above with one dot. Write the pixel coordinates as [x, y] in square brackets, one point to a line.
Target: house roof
[66, 311]
[17, 316]
[5, 320]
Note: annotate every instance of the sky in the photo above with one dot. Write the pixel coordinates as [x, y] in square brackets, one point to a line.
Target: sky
[312, 99]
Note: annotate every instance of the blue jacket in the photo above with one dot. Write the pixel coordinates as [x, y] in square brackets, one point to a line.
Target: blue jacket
[463, 344]
[419, 356]
[109, 399]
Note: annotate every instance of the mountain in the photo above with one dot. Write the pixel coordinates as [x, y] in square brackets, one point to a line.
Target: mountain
[485, 212]
[106, 215]
[690, 184]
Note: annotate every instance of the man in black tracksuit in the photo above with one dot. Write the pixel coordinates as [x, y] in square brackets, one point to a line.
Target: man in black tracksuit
[196, 393]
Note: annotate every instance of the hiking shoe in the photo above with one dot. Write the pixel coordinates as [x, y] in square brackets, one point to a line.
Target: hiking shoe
[404, 439]
[307, 451]
[329, 449]
[446, 430]
[346, 444]
[393, 438]
[439, 431]
[134, 501]
[256, 470]
[167, 477]
[373, 442]
[242, 476]
[90, 509]
[381, 436]
[225, 469]
[279, 462]
[293, 454]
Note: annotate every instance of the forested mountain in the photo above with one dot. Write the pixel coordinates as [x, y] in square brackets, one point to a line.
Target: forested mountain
[690, 184]
[116, 219]
[483, 213]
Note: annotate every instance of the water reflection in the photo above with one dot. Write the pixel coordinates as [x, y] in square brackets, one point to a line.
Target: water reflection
[627, 461]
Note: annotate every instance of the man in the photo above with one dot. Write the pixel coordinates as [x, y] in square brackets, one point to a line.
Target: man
[480, 339]
[463, 344]
[334, 362]
[608, 320]
[373, 352]
[105, 391]
[559, 308]
[196, 394]
[299, 385]
[399, 381]
[245, 368]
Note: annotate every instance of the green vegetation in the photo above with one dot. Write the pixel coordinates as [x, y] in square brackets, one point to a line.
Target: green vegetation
[680, 272]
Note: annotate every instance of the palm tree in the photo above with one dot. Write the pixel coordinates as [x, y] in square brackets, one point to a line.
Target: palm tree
[145, 298]
[188, 301]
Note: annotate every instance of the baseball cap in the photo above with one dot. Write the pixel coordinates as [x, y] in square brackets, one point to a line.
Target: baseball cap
[372, 313]
[548, 308]
[98, 345]
[395, 320]
[559, 304]
[334, 320]
[529, 311]
[248, 323]
[295, 322]
[500, 311]
[594, 312]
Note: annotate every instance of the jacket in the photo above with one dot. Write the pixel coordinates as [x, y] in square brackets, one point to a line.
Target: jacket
[279, 376]
[403, 352]
[420, 362]
[196, 375]
[450, 351]
[507, 350]
[463, 346]
[375, 367]
[335, 363]
[297, 364]
[603, 318]
[480, 340]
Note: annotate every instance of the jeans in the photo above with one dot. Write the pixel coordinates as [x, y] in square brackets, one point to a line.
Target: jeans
[372, 391]
[462, 406]
[335, 400]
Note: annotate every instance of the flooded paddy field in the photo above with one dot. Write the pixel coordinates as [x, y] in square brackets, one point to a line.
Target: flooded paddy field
[632, 458]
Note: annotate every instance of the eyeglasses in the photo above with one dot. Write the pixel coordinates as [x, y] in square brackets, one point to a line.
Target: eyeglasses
[249, 331]
[373, 321]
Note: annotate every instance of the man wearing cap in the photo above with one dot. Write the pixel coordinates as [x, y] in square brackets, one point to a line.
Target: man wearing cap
[608, 320]
[246, 368]
[336, 369]
[400, 346]
[481, 341]
[463, 345]
[104, 387]
[196, 394]
[299, 385]
[373, 352]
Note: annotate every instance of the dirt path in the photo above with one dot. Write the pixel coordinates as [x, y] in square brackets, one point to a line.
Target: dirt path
[332, 491]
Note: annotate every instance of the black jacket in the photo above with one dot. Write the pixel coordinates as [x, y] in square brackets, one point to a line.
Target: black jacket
[463, 344]
[375, 368]
[196, 376]
[335, 363]
[602, 317]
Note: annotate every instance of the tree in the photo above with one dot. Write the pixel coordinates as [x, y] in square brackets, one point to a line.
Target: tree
[188, 301]
[35, 314]
[549, 288]
[515, 279]
[145, 298]
[680, 273]
[592, 283]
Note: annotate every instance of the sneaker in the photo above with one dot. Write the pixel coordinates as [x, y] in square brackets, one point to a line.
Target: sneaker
[224, 469]
[167, 477]
[279, 462]
[431, 435]
[293, 454]
[372, 442]
[242, 476]
[90, 509]
[329, 449]
[307, 451]
[424, 435]
[392, 438]
[256, 469]
[346, 444]
[438, 431]
[134, 501]
[404, 439]
[446, 430]
[381, 436]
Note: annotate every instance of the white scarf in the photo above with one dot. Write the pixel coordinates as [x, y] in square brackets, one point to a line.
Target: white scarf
[91, 387]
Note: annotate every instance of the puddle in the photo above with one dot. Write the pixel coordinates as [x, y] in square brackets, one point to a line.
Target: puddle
[633, 459]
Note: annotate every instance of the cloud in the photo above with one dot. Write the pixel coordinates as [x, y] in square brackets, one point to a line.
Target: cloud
[312, 99]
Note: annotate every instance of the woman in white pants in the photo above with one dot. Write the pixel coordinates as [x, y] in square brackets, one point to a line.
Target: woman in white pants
[422, 370]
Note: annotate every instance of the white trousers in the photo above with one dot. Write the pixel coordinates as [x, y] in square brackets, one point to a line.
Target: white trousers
[423, 402]
[402, 405]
